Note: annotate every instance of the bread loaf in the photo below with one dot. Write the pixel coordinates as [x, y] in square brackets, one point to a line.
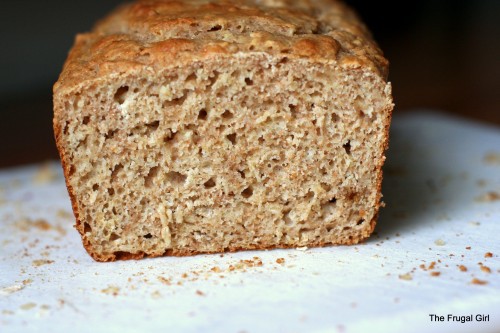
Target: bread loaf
[201, 126]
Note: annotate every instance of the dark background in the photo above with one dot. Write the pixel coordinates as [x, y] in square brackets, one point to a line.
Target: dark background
[444, 55]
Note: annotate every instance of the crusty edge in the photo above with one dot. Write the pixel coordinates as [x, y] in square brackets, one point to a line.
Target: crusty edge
[388, 111]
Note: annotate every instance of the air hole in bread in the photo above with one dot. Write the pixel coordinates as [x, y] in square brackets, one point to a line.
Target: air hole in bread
[110, 134]
[248, 81]
[227, 114]
[113, 237]
[178, 101]
[169, 137]
[286, 217]
[176, 178]
[86, 228]
[95, 187]
[153, 126]
[86, 120]
[347, 147]
[232, 138]
[360, 222]
[191, 77]
[153, 172]
[247, 193]
[293, 110]
[209, 183]
[121, 95]
[333, 200]
[148, 236]
[111, 191]
[284, 60]
[242, 173]
[115, 171]
[213, 78]
[216, 28]
[202, 115]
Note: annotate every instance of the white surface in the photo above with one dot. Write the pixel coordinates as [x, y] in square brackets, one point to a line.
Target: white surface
[436, 170]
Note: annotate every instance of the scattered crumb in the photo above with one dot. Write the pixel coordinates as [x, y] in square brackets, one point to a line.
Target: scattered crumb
[280, 261]
[41, 262]
[111, 290]
[45, 174]
[488, 255]
[485, 269]
[492, 158]
[27, 281]
[488, 197]
[462, 268]
[200, 293]
[432, 265]
[406, 276]
[479, 282]
[467, 247]
[26, 224]
[164, 280]
[481, 182]
[11, 289]
[28, 306]
[156, 294]
[216, 269]
[439, 242]
[435, 273]
[64, 214]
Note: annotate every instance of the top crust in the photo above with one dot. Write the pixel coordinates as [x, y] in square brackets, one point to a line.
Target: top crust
[158, 34]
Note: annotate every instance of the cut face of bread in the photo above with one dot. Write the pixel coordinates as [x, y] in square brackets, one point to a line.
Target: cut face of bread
[185, 146]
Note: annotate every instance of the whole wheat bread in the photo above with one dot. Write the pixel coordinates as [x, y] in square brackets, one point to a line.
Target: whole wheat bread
[201, 126]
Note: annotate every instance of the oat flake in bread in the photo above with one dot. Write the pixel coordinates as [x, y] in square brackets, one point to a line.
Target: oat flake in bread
[202, 126]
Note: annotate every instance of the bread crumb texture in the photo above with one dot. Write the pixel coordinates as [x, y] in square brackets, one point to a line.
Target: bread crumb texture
[198, 127]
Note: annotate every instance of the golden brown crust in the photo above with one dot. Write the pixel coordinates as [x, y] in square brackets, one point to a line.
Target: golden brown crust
[161, 34]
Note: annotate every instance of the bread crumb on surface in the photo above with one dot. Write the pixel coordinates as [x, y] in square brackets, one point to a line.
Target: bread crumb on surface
[439, 242]
[406, 276]
[200, 293]
[280, 261]
[488, 197]
[467, 247]
[478, 282]
[485, 269]
[26, 224]
[11, 289]
[492, 158]
[164, 280]
[41, 262]
[28, 306]
[488, 255]
[462, 268]
[111, 290]
[45, 174]
[435, 273]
